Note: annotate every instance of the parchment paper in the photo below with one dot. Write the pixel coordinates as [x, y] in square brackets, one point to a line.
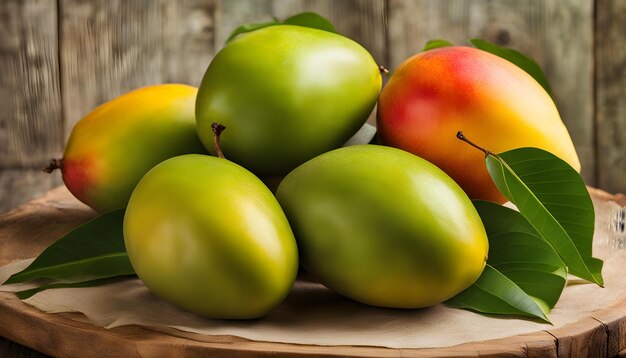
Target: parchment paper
[314, 315]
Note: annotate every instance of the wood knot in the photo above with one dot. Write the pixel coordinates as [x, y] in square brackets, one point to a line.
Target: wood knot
[503, 37]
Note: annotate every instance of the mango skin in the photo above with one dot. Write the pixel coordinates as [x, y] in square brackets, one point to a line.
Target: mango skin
[436, 93]
[286, 94]
[384, 227]
[206, 234]
[111, 148]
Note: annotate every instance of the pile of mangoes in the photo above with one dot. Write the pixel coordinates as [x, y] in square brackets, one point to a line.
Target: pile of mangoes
[389, 225]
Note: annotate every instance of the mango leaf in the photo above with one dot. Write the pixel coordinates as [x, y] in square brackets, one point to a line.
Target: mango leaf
[552, 196]
[496, 294]
[242, 29]
[519, 59]
[93, 250]
[519, 252]
[22, 295]
[305, 19]
[432, 44]
[524, 275]
[311, 19]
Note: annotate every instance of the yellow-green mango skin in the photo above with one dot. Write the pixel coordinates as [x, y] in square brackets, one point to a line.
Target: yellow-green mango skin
[286, 94]
[111, 148]
[384, 227]
[206, 234]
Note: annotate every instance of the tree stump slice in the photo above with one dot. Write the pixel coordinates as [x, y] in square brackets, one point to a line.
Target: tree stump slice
[30, 228]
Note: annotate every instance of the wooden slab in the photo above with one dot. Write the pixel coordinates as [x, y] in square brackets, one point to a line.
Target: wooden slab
[27, 230]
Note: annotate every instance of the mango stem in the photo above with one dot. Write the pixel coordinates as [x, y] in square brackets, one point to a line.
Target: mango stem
[383, 69]
[462, 137]
[53, 165]
[217, 131]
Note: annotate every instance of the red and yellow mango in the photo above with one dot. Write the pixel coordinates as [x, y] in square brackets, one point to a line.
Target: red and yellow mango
[437, 93]
[111, 148]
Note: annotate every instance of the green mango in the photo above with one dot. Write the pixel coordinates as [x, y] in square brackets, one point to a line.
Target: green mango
[384, 227]
[111, 148]
[206, 234]
[286, 94]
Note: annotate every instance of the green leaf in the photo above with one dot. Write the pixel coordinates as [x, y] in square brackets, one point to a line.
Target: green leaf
[311, 19]
[552, 196]
[521, 60]
[242, 29]
[519, 252]
[432, 44]
[305, 19]
[93, 250]
[496, 294]
[523, 276]
[22, 295]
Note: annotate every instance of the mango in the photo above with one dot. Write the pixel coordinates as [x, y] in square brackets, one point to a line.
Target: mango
[111, 148]
[207, 235]
[435, 94]
[286, 94]
[384, 227]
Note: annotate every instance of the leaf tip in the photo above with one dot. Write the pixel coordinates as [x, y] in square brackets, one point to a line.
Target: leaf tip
[11, 280]
[599, 281]
[546, 320]
[22, 295]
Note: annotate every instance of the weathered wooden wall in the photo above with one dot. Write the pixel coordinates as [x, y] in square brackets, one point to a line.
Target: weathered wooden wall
[610, 93]
[61, 58]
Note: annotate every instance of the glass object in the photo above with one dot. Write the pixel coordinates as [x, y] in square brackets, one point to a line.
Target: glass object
[613, 221]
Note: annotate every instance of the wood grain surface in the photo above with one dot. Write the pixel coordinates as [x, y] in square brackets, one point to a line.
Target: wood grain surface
[20, 185]
[11, 349]
[61, 58]
[30, 116]
[610, 70]
[27, 230]
[111, 47]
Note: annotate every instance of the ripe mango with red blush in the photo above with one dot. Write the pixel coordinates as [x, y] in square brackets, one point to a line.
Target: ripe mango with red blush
[435, 94]
[111, 148]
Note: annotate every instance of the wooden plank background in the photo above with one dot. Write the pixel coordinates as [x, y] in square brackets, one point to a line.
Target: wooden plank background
[61, 58]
